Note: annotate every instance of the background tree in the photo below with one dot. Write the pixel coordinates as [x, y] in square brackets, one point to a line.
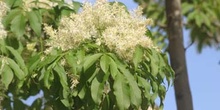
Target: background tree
[98, 58]
[201, 18]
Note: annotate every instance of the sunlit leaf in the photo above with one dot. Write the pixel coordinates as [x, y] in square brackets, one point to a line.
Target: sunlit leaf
[186, 7]
[14, 3]
[153, 97]
[18, 25]
[97, 88]
[90, 60]
[154, 86]
[19, 59]
[192, 16]
[162, 92]
[135, 92]
[137, 56]
[10, 16]
[121, 92]
[66, 102]
[17, 70]
[48, 78]
[46, 60]
[33, 62]
[144, 84]
[198, 19]
[82, 92]
[72, 61]
[62, 75]
[35, 21]
[105, 62]
[154, 63]
[113, 68]
[106, 103]
[7, 76]
[77, 6]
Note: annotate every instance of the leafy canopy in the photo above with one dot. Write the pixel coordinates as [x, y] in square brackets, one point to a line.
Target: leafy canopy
[92, 59]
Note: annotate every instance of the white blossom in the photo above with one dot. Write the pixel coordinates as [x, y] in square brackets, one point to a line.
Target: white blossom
[31, 46]
[3, 11]
[109, 24]
[74, 82]
[29, 4]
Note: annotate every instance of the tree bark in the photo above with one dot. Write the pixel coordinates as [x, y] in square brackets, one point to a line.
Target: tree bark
[177, 55]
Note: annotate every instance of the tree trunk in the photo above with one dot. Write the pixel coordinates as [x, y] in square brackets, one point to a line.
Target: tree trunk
[177, 55]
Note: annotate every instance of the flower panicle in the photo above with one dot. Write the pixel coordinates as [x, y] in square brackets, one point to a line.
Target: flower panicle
[29, 4]
[3, 10]
[109, 24]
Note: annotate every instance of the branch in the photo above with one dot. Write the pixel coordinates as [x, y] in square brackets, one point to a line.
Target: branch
[189, 45]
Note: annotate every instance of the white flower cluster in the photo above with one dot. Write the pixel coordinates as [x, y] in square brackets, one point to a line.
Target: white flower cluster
[29, 4]
[109, 24]
[3, 11]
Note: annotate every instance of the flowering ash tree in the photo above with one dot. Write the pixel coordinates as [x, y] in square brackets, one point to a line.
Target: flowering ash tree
[100, 57]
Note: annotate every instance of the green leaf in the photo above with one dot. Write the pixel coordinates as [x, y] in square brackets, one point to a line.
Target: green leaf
[48, 78]
[149, 34]
[90, 60]
[113, 68]
[66, 102]
[106, 103]
[154, 62]
[10, 16]
[153, 97]
[206, 19]
[7, 76]
[162, 92]
[192, 16]
[90, 74]
[33, 62]
[18, 25]
[19, 59]
[198, 19]
[47, 60]
[80, 55]
[17, 70]
[138, 54]
[186, 8]
[154, 87]
[14, 3]
[35, 21]
[104, 63]
[63, 80]
[66, 11]
[121, 92]
[72, 61]
[19, 85]
[135, 92]
[97, 88]
[76, 6]
[64, 96]
[146, 85]
[62, 75]
[82, 92]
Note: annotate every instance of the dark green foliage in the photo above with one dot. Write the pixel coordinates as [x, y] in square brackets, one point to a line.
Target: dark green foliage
[201, 18]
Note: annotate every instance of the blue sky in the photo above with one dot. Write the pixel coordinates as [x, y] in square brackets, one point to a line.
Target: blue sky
[203, 72]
